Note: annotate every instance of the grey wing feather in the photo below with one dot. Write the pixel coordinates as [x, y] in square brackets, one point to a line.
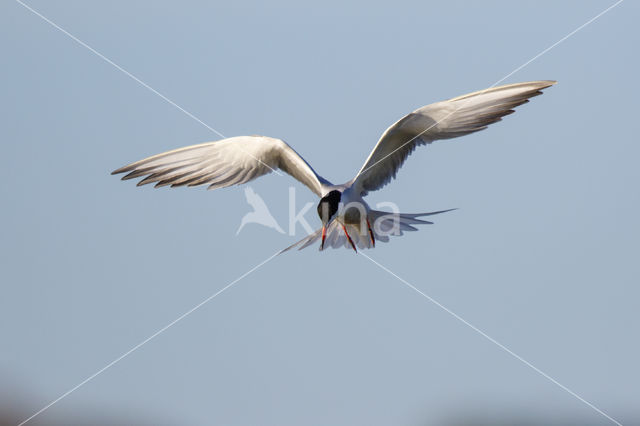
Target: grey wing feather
[442, 120]
[224, 163]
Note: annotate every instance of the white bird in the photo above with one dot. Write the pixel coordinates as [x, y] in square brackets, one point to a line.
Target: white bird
[347, 220]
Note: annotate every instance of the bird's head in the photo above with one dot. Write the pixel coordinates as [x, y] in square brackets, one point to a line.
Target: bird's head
[327, 209]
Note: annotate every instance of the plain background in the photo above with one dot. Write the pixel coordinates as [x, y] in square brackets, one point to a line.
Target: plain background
[542, 255]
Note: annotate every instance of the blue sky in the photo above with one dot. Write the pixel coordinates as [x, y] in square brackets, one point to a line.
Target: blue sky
[541, 255]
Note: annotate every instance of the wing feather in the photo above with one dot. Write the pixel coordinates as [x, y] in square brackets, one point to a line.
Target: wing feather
[224, 163]
[442, 120]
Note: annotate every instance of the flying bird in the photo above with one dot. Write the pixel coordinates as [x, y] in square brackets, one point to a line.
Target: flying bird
[347, 220]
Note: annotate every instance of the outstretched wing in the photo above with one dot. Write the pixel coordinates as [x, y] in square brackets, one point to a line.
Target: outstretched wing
[224, 163]
[443, 120]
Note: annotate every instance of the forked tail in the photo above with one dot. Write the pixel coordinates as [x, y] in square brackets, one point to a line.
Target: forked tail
[381, 224]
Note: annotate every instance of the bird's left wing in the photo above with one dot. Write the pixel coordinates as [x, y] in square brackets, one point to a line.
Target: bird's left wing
[224, 163]
[442, 120]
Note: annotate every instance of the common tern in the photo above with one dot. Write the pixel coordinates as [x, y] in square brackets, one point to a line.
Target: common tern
[347, 220]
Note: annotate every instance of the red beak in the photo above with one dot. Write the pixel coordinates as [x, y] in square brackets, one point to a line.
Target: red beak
[324, 235]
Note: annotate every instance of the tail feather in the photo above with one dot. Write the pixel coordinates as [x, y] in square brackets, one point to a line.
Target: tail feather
[305, 242]
[384, 225]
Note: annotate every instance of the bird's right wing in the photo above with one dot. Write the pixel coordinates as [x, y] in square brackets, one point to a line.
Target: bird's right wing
[224, 163]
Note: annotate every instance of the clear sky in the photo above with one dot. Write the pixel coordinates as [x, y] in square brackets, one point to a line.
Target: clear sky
[542, 254]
